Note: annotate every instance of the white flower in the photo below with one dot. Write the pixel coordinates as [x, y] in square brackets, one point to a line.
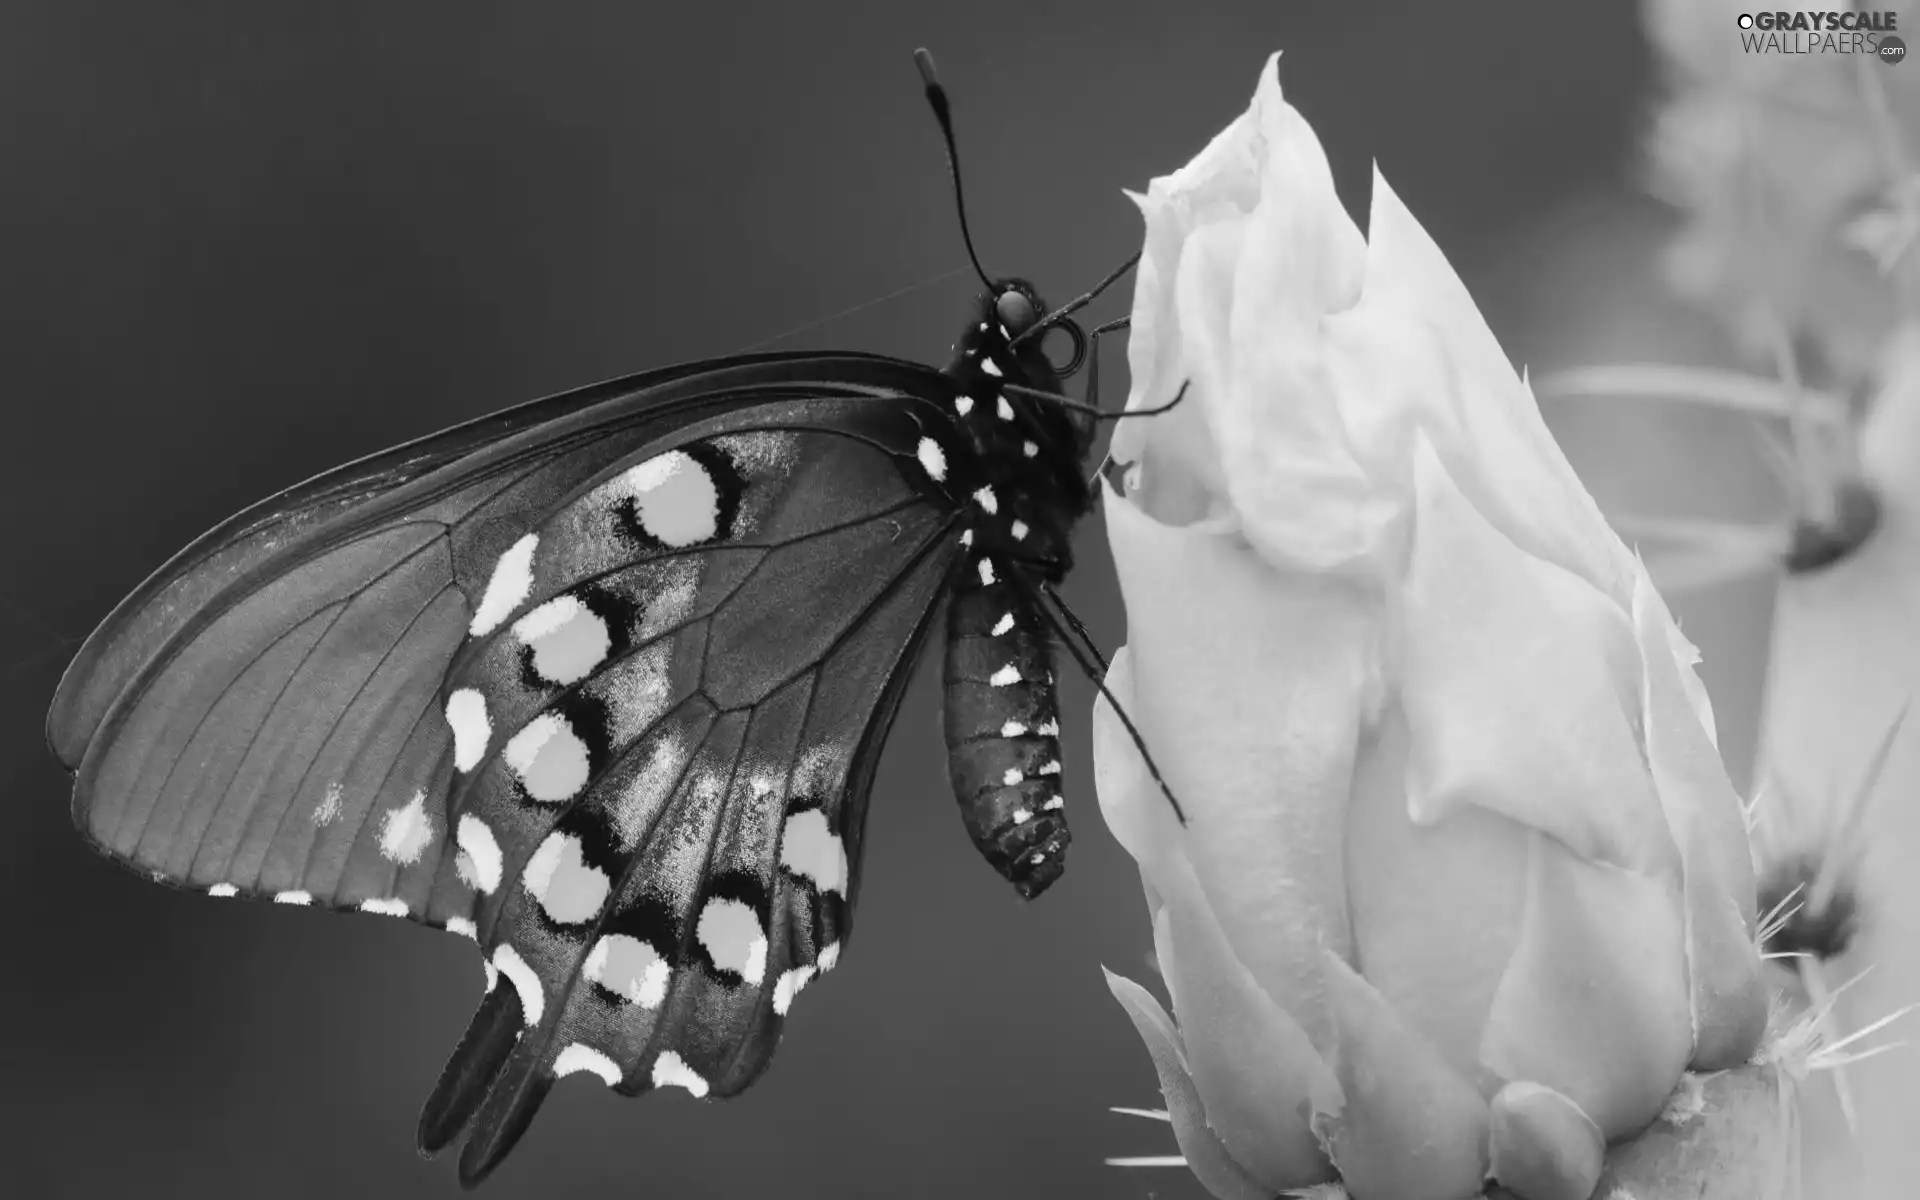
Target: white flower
[1464, 887]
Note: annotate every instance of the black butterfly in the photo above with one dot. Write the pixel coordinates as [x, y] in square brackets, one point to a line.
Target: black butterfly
[601, 682]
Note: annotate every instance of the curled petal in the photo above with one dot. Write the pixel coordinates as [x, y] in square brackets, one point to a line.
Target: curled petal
[1258, 1076]
[1250, 688]
[1206, 1157]
[1519, 678]
[1594, 1003]
[1542, 1146]
[1412, 1128]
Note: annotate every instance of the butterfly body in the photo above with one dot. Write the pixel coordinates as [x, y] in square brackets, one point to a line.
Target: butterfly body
[601, 683]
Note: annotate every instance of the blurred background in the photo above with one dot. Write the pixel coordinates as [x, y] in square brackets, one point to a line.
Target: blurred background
[245, 242]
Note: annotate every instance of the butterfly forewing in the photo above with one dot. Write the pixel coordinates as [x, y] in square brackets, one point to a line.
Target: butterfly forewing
[267, 713]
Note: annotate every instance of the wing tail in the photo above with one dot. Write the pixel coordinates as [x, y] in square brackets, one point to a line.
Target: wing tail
[470, 1073]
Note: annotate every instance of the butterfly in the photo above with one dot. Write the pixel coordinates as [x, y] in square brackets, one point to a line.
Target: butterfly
[601, 683]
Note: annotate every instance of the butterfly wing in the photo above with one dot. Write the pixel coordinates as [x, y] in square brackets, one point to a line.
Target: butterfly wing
[603, 687]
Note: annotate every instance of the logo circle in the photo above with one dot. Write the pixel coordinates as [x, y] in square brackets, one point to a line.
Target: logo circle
[1746, 21]
[1892, 49]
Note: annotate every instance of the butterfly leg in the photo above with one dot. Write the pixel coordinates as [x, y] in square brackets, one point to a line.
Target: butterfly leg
[1092, 396]
[1066, 624]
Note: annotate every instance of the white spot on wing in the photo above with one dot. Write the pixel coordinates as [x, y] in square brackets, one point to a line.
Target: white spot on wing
[630, 968]
[1019, 529]
[567, 638]
[479, 864]
[579, 1056]
[674, 498]
[1029, 449]
[406, 832]
[670, 1070]
[463, 927]
[986, 571]
[966, 537]
[1012, 776]
[294, 898]
[810, 848]
[558, 876]
[987, 501]
[1053, 805]
[1002, 409]
[990, 367]
[549, 758]
[512, 582]
[1049, 728]
[1013, 729]
[963, 405]
[829, 957]
[932, 458]
[1049, 768]
[1006, 676]
[1021, 816]
[732, 936]
[791, 984]
[533, 1001]
[1003, 626]
[391, 906]
[328, 809]
[467, 717]
[223, 889]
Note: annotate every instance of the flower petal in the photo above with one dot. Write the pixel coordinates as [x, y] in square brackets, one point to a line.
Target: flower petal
[1246, 248]
[1206, 1157]
[1483, 418]
[1687, 768]
[1741, 1142]
[1137, 815]
[1728, 992]
[1594, 1003]
[1257, 1074]
[1435, 908]
[1250, 686]
[1411, 1128]
[1542, 1146]
[1519, 679]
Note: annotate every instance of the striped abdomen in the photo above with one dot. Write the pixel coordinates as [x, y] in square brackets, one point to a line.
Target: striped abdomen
[1003, 730]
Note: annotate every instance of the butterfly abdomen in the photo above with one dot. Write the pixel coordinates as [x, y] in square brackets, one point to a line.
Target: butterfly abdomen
[1003, 729]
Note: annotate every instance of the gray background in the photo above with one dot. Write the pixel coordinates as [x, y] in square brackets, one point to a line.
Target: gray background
[246, 241]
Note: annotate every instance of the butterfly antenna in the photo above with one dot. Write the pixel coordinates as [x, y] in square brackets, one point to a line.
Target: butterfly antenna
[943, 113]
[1061, 627]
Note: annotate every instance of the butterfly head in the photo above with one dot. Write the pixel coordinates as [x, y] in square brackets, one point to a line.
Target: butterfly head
[1002, 345]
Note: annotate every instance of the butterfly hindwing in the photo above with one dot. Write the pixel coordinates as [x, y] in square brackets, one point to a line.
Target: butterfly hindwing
[665, 744]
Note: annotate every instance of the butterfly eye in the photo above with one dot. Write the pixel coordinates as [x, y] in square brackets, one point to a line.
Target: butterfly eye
[1017, 313]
